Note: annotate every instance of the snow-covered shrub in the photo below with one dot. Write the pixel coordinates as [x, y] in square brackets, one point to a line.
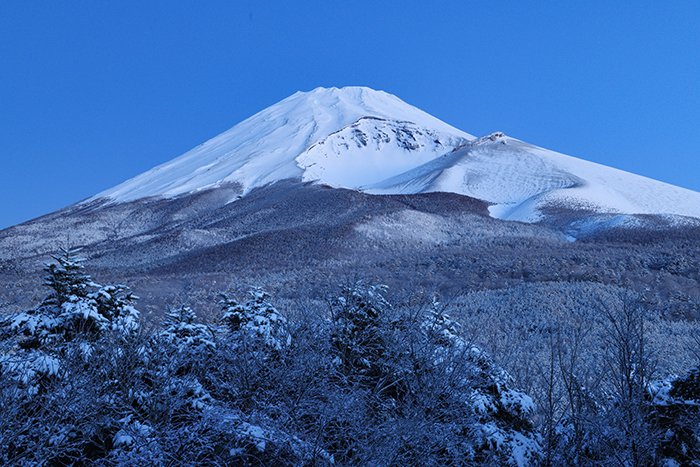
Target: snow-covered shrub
[255, 322]
[427, 395]
[501, 416]
[179, 356]
[182, 331]
[359, 325]
[116, 304]
[252, 345]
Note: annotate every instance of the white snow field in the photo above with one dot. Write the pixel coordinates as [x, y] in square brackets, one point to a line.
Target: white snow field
[520, 179]
[359, 138]
[316, 135]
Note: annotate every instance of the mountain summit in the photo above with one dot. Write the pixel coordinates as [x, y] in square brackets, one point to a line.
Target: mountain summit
[345, 137]
[362, 139]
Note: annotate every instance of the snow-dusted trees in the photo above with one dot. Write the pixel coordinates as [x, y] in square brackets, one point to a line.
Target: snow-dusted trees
[116, 304]
[66, 277]
[182, 350]
[358, 335]
[255, 322]
[501, 417]
[429, 396]
[76, 307]
[367, 383]
[629, 371]
[76, 313]
[81, 383]
[676, 413]
[58, 397]
[185, 334]
[253, 340]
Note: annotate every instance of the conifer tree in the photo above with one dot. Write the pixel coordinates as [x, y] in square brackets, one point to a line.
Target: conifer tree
[357, 330]
[66, 277]
[184, 332]
[256, 321]
[502, 416]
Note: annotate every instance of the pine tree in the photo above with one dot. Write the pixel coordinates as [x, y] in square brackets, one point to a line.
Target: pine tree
[66, 277]
[55, 319]
[76, 313]
[676, 412]
[184, 332]
[256, 321]
[116, 304]
[76, 307]
[357, 331]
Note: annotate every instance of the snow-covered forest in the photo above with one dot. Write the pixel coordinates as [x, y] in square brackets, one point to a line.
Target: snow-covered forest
[84, 379]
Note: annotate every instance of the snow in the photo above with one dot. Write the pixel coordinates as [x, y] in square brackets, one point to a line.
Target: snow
[517, 401]
[83, 309]
[520, 180]
[256, 321]
[47, 365]
[255, 434]
[359, 138]
[524, 449]
[265, 147]
[33, 322]
[370, 150]
[123, 439]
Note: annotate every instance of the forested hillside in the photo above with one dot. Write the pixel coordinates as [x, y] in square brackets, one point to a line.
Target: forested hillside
[85, 380]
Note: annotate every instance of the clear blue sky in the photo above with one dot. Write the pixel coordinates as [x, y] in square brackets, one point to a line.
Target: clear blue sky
[95, 92]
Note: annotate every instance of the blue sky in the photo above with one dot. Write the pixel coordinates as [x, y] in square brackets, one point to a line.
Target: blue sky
[95, 92]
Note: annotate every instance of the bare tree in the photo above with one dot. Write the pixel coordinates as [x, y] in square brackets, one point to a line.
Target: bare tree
[629, 368]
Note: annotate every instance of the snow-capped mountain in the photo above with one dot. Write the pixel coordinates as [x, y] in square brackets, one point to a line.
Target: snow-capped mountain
[240, 211]
[342, 186]
[345, 137]
[369, 140]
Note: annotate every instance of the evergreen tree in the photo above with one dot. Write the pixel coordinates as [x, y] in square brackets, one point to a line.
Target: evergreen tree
[256, 321]
[57, 317]
[59, 355]
[76, 313]
[184, 332]
[676, 412]
[76, 307]
[116, 304]
[66, 277]
[357, 338]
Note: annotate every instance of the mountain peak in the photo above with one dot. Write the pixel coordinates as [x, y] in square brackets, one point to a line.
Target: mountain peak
[265, 147]
[359, 138]
[347, 92]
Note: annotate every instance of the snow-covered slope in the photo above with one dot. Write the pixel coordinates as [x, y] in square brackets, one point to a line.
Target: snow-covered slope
[345, 137]
[369, 140]
[521, 179]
